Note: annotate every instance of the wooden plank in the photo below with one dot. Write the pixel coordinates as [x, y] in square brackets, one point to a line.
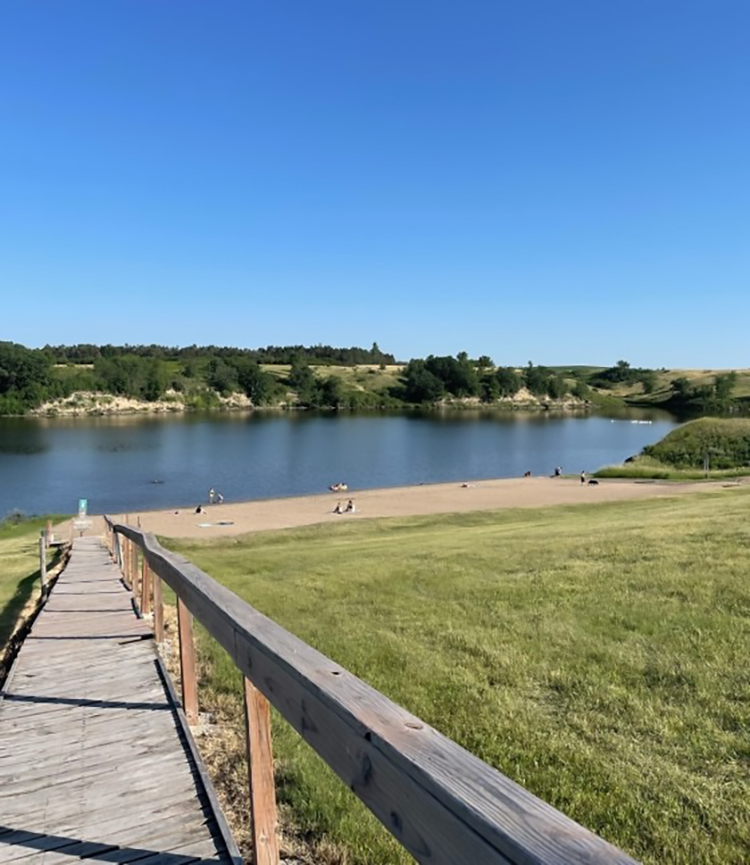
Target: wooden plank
[260, 772]
[187, 663]
[442, 803]
[91, 759]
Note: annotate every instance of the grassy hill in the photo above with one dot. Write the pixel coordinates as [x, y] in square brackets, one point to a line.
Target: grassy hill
[705, 447]
[377, 386]
[597, 655]
[724, 442]
[663, 391]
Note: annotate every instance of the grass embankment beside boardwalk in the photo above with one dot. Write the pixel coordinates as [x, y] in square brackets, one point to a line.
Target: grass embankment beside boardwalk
[595, 654]
[19, 571]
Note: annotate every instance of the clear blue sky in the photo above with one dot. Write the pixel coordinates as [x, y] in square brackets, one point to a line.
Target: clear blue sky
[557, 181]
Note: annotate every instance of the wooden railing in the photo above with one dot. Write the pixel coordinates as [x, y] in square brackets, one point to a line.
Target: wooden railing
[443, 804]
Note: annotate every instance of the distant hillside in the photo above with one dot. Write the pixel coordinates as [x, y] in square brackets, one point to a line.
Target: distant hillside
[90, 379]
[707, 391]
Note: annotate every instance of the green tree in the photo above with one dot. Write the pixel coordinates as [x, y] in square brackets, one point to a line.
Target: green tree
[221, 376]
[23, 370]
[490, 388]
[254, 382]
[331, 392]
[724, 384]
[302, 379]
[536, 379]
[556, 387]
[156, 379]
[421, 385]
[508, 381]
[648, 380]
[681, 387]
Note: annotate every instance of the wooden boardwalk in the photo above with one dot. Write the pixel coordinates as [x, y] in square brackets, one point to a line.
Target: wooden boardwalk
[95, 760]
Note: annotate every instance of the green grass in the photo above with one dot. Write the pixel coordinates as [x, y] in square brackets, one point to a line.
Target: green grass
[648, 468]
[19, 571]
[726, 441]
[595, 654]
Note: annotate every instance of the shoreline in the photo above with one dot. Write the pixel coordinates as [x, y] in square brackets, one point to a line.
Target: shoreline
[163, 408]
[404, 501]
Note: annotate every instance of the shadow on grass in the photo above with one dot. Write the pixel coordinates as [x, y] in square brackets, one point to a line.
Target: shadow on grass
[27, 589]
[11, 612]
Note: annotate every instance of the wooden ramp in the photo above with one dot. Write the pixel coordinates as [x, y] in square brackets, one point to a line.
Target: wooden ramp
[96, 761]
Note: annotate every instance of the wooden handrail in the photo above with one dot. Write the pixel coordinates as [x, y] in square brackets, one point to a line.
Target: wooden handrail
[443, 804]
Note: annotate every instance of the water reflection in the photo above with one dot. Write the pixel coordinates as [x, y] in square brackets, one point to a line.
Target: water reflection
[46, 464]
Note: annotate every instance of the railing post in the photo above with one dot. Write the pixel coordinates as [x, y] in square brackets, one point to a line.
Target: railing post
[145, 586]
[43, 564]
[125, 554]
[134, 575]
[187, 663]
[260, 772]
[158, 610]
[118, 550]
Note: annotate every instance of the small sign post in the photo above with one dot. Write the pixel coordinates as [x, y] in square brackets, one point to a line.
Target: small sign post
[83, 522]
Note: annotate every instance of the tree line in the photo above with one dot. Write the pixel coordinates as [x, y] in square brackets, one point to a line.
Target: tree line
[29, 377]
[201, 375]
[320, 355]
[434, 378]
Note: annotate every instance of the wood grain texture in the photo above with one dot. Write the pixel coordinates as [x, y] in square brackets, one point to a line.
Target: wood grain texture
[187, 663]
[442, 803]
[260, 772]
[158, 609]
[145, 587]
[94, 763]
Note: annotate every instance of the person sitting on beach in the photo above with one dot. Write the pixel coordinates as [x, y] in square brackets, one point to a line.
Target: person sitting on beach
[558, 471]
[338, 509]
[199, 510]
[219, 499]
[350, 509]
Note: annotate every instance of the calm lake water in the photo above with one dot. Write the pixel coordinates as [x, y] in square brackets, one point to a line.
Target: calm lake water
[46, 465]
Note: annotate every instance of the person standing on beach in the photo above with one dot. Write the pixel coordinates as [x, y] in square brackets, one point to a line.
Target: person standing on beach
[583, 477]
[211, 494]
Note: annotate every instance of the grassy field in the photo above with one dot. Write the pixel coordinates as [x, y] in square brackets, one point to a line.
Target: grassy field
[595, 654]
[19, 571]
[647, 468]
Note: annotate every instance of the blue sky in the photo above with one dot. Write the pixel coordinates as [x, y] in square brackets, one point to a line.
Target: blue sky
[565, 182]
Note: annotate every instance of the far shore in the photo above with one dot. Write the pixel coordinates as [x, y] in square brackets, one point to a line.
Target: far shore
[455, 497]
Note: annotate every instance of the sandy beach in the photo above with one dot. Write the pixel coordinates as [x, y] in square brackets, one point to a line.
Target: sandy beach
[242, 517]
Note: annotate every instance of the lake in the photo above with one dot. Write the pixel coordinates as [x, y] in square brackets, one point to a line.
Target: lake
[47, 464]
